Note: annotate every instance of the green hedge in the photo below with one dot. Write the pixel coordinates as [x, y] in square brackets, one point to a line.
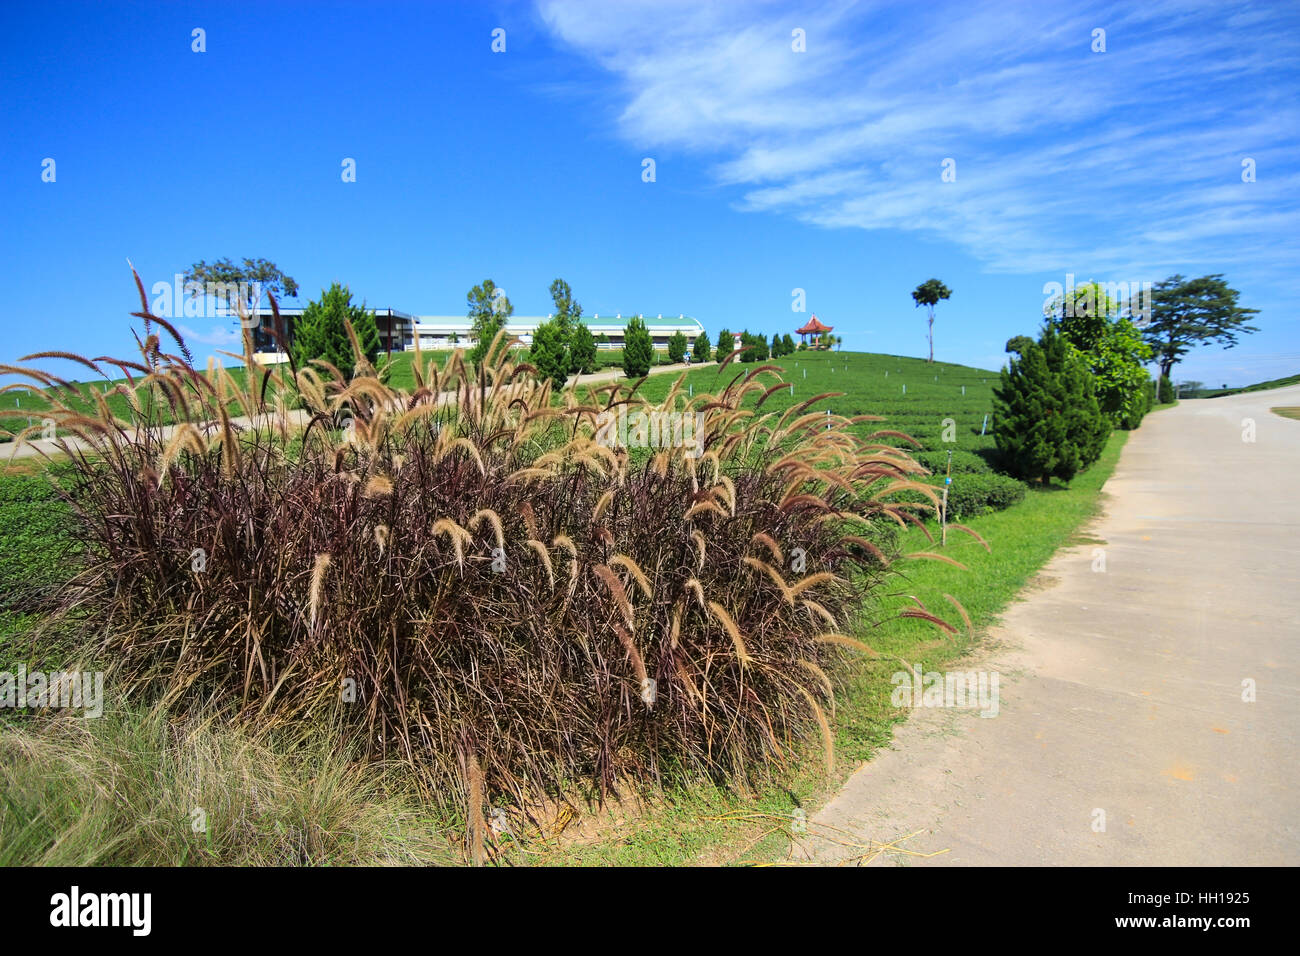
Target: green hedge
[963, 462]
[971, 495]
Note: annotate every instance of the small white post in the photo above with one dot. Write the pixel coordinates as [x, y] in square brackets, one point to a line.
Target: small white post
[947, 480]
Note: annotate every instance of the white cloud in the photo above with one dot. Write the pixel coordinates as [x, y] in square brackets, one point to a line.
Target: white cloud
[1125, 162]
[217, 335]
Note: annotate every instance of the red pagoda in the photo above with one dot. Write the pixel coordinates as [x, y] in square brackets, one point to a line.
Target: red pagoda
[814, 327]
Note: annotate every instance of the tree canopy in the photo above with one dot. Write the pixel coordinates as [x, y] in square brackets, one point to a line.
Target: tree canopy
[1190, 312]
[488, 310]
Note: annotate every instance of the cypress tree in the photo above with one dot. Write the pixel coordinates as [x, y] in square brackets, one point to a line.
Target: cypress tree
[725, 345]
[321, 334]
[677, 348]
[1047, 423]
[638, 349]
[550, 353]
[702, 351]
[582, 350]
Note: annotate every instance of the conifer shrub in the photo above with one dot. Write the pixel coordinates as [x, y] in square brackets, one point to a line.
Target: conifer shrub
[1046, 420]
[676, 348]
[638, 348]
[320, 334]
[701, 351]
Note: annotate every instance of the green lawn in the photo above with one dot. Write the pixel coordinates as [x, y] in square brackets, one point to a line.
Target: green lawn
[873, 384]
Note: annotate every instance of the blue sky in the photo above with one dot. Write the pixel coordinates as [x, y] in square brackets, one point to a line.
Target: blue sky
[775, 170]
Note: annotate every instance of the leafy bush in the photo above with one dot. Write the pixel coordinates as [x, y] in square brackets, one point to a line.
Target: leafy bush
[973, 494]
[1142, 403]
[496, 588]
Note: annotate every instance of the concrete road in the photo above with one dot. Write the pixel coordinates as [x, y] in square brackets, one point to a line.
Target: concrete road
[1121, 691]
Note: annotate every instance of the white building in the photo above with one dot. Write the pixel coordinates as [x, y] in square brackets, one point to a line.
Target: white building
[397, 330]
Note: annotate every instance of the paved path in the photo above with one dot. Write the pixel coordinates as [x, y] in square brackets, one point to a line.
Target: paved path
[1122, 691]
[298, 418]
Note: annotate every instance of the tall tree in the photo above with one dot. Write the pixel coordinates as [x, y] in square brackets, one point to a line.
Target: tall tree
[1190, 312]
[322, 332]
[929, 293]
[223, 277]
[568, 314]
[488, 310]
[567, 311]
[236, 285]
[638, 348]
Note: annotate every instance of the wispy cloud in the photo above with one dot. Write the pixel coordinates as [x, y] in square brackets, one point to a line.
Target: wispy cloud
[1126, 162]
[217, 335]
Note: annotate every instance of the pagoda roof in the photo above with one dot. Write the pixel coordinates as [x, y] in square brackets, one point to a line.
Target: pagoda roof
[814, 326]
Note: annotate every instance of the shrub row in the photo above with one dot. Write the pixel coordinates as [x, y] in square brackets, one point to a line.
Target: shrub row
[971, 495]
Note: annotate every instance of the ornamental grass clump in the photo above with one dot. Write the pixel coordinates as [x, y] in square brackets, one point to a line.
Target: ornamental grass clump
[481, 576]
